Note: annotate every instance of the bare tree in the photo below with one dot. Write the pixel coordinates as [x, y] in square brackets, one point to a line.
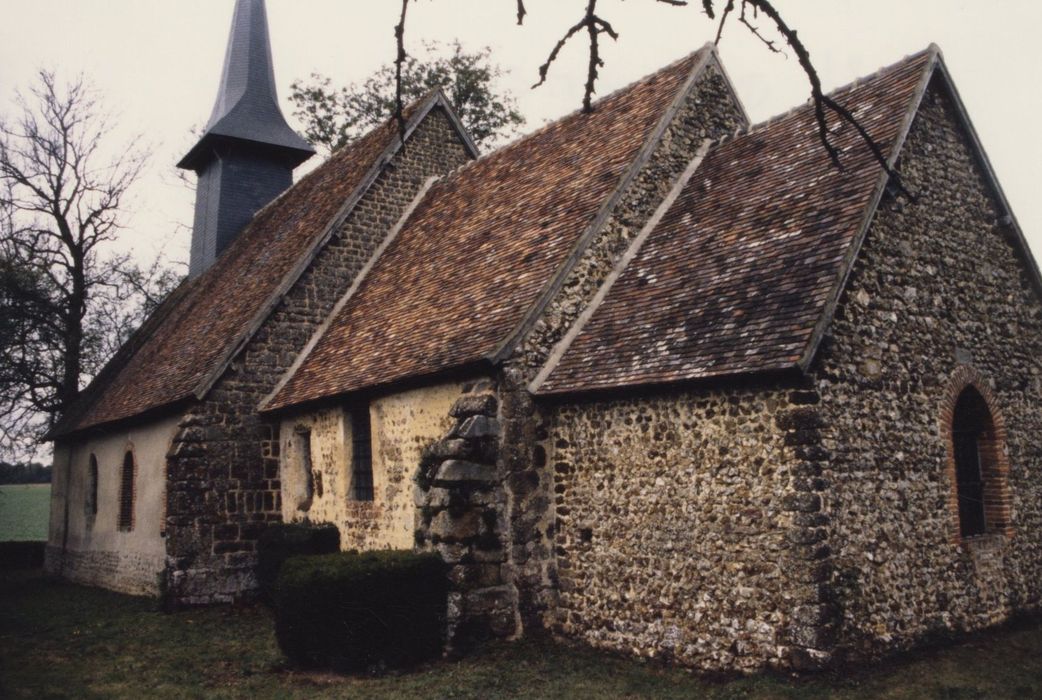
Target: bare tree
[749, 12]
[67, 299]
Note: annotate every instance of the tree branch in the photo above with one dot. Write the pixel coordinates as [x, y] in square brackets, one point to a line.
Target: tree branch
[594, 26]
[399, 61]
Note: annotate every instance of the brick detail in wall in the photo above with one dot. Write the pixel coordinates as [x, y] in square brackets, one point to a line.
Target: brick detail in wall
[994, 460]
[813, 618]
[223, 465]
[938, 287]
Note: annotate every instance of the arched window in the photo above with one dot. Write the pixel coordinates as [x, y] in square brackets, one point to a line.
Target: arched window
[126, 493]
[970, 423]
[979, 467]
[92, 488]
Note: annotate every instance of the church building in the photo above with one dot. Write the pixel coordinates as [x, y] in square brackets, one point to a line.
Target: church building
[652, 378]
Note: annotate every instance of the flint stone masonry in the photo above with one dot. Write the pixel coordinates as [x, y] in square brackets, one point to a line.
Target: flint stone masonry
[686, 529]
[938, 291]
[781, 520]
[224, 465]
[709, 111]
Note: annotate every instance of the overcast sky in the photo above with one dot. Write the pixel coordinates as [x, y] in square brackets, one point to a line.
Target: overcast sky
[157, 64]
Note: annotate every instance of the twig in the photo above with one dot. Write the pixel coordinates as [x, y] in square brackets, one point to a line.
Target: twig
[595, 26]
[521, 12]
[723, 20]
[755, 30]
[821, 101]
[399, 61]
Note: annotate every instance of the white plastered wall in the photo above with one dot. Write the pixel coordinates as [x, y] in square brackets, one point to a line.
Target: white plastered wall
[95, 550]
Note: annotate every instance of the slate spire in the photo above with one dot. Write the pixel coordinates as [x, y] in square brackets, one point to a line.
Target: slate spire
[247, 153]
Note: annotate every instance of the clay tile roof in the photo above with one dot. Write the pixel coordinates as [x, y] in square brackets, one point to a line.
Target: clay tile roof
[209, 314]
[736, 276]
[481, 247]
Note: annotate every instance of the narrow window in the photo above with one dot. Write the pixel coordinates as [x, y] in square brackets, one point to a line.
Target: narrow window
[970, 422]
[92, 488]
[362, 455]
[307, 495]
[126, 493]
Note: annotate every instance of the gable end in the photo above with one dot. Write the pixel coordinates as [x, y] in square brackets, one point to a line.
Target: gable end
[936, 74]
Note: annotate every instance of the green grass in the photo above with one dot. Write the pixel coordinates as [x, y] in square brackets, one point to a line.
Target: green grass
[62, 641]
[24, 512]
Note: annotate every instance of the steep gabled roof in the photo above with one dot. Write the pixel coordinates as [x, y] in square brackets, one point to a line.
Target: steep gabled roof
[181, 353]
[480, 249]
[742, 272]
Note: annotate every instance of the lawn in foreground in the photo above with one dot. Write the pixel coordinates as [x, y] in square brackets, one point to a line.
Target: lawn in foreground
[60, 640]
[24, 510]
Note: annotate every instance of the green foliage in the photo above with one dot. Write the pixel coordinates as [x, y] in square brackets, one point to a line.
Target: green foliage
[25, 473]
[356, 612]
[284, 540]
[24, 512]
[21, 555]
[58, 640]
[335, 116]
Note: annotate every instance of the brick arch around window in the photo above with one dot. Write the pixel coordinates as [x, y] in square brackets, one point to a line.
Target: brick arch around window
[127, 481]
[991, 452]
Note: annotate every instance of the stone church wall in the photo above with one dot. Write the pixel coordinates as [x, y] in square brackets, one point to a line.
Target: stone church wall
[709, 111]
[97, 552]
[687, 527]
[224, 470]
[938, 297]
[403, 425]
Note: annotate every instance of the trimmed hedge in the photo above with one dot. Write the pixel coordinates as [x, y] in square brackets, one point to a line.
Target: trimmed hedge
[361, 612]
[21, 555]
[280, 542]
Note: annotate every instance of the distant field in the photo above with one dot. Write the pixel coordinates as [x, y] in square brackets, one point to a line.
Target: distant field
[24, 512]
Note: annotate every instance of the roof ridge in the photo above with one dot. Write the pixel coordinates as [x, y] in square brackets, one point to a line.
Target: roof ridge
[708, 46]
[854, 250]
[699, 60]
[851, 85]
[711, 292]
[343, 149]
[356, 284]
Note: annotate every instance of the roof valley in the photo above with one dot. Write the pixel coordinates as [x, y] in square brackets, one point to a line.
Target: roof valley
[428, 104]
[356, 284]
[627, 178]
[631, 253]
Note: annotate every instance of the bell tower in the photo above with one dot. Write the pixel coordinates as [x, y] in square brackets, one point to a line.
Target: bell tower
[246, 156]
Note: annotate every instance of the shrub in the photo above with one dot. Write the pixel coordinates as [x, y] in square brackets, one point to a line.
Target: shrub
[21, 555]
[358, 612]
[280, 542]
